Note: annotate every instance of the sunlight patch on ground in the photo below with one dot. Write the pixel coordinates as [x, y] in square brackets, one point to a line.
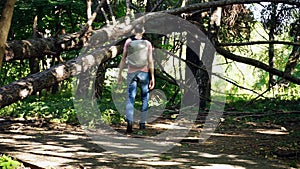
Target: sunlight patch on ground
[245, 161]
[69, 136]
[167, 126]
[159, 163]
[228, 135]
[271, 131]
[218, 166]
[44, 160]
[233, 157]
[207, 155]
[156, 161]
[116, 145]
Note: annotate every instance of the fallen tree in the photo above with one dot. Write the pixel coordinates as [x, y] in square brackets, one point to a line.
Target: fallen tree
[38, 47]
[112, 33]
[26, 86]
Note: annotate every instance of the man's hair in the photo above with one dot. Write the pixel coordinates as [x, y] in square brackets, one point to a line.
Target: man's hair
[139, 28]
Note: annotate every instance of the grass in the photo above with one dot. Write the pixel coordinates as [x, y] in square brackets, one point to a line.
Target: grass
[60, 107]
[6, 162]
[245, 103]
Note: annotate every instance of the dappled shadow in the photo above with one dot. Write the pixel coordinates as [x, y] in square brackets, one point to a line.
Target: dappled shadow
[64, 146]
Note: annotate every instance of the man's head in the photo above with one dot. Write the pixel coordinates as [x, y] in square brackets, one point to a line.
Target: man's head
[139, 28]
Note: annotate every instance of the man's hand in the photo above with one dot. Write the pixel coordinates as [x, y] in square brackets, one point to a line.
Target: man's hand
[151, 84]
[119, 79]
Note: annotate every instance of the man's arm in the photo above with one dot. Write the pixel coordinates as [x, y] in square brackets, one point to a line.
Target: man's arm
[151, 66]
[123, 60]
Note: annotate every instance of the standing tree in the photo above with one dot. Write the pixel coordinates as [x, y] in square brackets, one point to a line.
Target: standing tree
[5, 22]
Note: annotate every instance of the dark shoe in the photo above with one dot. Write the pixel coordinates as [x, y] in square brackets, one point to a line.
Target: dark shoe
[142, 126]
[129, 127]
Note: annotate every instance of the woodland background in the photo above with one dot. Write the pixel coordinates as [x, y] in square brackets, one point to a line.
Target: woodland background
[257, 45]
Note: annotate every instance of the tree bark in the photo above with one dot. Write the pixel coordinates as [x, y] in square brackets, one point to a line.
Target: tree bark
[99, 81]
[271, 46]
[39, 47]
[220, 3]
[24, 87]
[5, 22]
[294, 57]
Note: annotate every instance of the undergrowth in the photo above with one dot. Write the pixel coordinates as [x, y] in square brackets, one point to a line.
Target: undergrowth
[60, 107]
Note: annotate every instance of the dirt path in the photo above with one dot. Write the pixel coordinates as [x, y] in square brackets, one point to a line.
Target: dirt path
[65, 146]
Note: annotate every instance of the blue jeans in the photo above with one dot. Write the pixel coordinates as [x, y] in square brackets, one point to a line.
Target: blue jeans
[133, 79]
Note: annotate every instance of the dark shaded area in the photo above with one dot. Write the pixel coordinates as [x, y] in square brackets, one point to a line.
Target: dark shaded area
[235, 143]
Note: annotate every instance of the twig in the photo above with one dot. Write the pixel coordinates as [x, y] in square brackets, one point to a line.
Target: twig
[203, 69]
[105, 15]
[111, 12]
[156, 5]
[252, 101]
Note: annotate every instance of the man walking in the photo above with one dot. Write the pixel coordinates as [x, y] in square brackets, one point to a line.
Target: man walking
[138, 54]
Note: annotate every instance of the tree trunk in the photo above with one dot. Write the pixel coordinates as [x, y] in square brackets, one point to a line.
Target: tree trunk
[201, 76]
[5, 22]
[294, 57]
[271, 46]
[26, 86]
[83, 85]
[99, 81]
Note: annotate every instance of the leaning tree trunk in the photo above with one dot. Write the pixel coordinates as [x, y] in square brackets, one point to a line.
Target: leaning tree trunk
[5, 22]
[26, 86]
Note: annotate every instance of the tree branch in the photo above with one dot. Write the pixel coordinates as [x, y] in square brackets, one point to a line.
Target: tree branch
[26, 49]
[257, 64]
[221, 3]
[260, 43]
[157, 5]
[38, 47]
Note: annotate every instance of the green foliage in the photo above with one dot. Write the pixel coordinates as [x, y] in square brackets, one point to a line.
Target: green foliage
[11, 72]
[281, 103]
[7, 162]
[110, 116]
[52, 16]
[57, 107]
[107, 107]
[55, 15]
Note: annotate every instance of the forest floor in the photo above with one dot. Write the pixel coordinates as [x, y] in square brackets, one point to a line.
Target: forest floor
[241, 140]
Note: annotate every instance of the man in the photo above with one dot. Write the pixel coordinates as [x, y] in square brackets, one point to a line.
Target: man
[138, 54]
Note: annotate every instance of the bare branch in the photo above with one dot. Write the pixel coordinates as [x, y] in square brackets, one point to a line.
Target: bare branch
[156, 5]
[92, 18]
[105, 15]
[205, 5]
[260, 43]
[111, 12]
[89, 8]
[127, 7]
[257, 64]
